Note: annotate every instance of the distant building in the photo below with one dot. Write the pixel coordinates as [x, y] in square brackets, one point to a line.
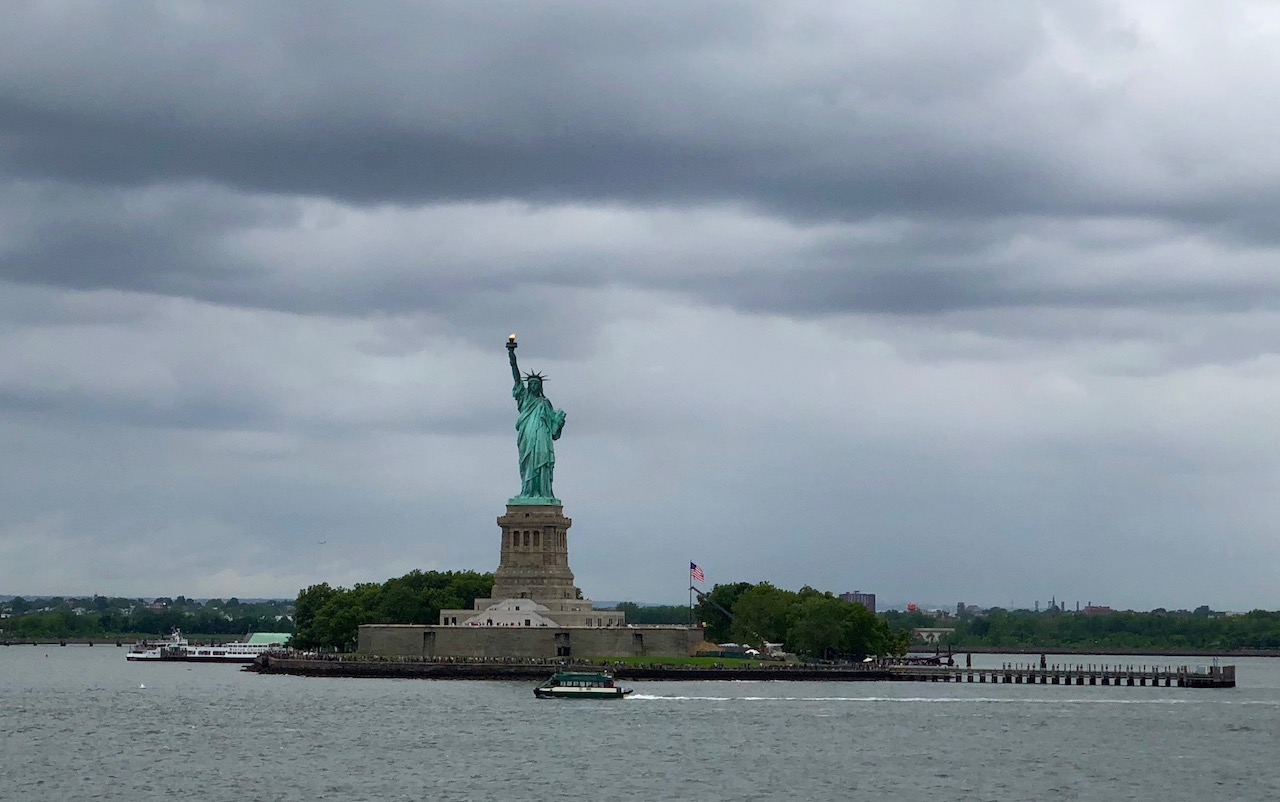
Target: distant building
[932, 635]
[1097, 610]
[867, 600]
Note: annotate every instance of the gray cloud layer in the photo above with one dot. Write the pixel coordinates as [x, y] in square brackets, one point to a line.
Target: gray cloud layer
[936, 299]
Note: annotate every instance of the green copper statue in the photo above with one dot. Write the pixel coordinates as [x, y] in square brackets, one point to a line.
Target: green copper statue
[538, 425]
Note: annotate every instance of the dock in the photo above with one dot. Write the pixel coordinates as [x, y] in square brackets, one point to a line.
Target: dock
[1080, 674]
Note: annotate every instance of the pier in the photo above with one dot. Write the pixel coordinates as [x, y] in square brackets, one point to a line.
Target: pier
[1080, 674]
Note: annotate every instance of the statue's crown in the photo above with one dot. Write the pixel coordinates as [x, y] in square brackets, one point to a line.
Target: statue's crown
[537, 376]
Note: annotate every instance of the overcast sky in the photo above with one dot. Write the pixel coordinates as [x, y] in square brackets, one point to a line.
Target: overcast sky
[943, 301]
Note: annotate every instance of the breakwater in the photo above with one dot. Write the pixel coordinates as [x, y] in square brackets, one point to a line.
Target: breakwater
[359, 666]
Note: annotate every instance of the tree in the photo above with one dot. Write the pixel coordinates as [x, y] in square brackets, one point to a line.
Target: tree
[718, 625]
[306, 610]
[338, 621]
[820, 627]
[828, 627]
[763, 613]
[327, 617]
[470, 585]
[654, 614]
[868, 634]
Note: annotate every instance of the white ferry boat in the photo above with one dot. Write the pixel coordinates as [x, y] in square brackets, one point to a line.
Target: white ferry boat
[571, 685]
[177, 648]
[170, 649]
[244, 651]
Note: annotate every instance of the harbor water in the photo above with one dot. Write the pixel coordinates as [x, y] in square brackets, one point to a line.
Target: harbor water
[81, 723]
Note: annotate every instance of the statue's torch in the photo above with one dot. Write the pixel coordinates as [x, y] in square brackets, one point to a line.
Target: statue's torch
[511, 343]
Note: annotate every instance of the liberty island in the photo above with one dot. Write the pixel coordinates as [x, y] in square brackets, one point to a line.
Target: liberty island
[535, 609]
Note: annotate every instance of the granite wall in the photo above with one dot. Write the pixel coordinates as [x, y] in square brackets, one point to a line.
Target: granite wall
[419, 640]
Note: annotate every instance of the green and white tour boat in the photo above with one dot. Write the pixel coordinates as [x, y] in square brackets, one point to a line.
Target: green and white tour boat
[577, 685]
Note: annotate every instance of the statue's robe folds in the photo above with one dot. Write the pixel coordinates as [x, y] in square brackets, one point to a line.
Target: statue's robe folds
[538, 425]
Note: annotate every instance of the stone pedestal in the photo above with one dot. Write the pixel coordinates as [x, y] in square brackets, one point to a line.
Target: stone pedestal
[533, 586]
[534, 559]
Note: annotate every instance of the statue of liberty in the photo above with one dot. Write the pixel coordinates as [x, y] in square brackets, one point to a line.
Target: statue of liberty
[538, 425]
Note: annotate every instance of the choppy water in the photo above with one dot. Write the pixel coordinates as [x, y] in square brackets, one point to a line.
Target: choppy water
[75, 725]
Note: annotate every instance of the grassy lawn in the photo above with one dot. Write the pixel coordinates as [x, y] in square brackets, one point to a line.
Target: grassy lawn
[701, 662]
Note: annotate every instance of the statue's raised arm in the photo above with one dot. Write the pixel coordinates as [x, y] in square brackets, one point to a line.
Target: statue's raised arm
[511, 353]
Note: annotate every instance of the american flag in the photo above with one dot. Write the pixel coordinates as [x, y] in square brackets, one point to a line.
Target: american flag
[695, 573]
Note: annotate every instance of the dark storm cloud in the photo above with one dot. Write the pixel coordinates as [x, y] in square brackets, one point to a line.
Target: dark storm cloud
[908, 290]
[954, 118]
[160, 239]
[174, 241]
[802, 109]
[210, 244]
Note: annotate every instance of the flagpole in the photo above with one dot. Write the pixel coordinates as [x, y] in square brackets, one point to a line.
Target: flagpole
[691, 600]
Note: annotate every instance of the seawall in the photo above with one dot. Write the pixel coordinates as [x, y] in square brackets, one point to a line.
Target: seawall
[365, 667]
